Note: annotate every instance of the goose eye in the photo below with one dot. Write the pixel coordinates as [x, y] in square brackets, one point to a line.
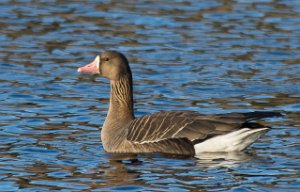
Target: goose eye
[106, 59]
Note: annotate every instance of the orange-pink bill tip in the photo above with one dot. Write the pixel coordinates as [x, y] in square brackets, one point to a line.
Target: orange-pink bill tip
[93, 67]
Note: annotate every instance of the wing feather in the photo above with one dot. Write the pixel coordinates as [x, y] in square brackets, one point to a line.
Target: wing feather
[186, 124]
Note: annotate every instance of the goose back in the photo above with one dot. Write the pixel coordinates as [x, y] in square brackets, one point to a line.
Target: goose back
[187, 124]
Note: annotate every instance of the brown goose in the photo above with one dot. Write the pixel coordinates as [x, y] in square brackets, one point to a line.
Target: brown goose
[168, 132]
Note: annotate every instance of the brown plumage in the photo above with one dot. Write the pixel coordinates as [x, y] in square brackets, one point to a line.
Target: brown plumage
[188, 124]
[170, 132]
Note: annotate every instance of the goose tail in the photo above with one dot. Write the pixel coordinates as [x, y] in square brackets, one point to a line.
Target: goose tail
[235, 141]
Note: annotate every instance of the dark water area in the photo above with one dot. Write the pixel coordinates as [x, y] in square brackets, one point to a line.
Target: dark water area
[216, 56]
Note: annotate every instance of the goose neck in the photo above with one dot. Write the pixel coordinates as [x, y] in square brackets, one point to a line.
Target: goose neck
[121, 100]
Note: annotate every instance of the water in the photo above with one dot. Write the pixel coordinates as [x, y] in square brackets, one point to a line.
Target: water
[207, 56]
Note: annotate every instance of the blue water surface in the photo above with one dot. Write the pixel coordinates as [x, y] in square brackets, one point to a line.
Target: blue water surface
[214, 56]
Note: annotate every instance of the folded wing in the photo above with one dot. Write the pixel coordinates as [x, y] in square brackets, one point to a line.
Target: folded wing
[189, 125]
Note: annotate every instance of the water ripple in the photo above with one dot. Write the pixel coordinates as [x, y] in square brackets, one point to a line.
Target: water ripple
[209, 56]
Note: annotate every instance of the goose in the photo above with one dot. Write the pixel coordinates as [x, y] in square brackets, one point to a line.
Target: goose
[187, 133]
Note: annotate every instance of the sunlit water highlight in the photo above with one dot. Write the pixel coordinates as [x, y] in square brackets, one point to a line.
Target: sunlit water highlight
[209, 56]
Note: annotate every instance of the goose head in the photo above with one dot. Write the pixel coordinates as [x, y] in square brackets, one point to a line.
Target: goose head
[109, 64]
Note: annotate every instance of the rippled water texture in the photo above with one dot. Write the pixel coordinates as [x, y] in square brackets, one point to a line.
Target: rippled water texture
[214, 56]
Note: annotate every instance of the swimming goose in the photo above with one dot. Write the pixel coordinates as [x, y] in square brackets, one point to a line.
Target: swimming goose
[168, 132]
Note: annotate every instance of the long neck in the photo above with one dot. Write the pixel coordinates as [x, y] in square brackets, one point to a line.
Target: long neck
[121, 109]
[121, 99]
